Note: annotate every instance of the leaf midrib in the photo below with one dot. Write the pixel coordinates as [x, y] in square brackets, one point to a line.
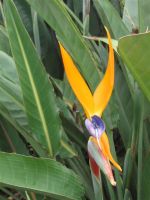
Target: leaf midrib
[36, 96]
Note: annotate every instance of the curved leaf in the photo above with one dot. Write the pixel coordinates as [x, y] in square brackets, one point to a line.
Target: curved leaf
[144, 17]
[130, 14]
[41, 175]
[110, 18]
[8, 68]
[37, 91]
[58, 18]
[4, 42]
[5, 113]
[11, 95]
[25, 14]
[135, 52]
[11, 98]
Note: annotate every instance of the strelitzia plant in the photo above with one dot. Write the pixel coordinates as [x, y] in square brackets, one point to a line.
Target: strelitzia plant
[94, 105]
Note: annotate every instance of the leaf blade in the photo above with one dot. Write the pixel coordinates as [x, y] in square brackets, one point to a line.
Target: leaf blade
[58, 18]
[132, 47]
[37, 90]
[40, 175]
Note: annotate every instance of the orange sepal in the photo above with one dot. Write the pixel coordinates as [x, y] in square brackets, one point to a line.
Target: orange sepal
[103, 91]
[105, 147]
[77, 83]
[104, 143]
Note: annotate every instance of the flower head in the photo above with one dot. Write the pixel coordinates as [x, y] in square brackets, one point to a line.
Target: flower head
[94, 105]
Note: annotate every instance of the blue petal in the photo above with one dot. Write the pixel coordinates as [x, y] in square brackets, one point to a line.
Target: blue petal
[98, 122]
[95, 126]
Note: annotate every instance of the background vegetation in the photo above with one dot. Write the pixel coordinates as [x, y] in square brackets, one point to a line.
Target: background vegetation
[43, 153]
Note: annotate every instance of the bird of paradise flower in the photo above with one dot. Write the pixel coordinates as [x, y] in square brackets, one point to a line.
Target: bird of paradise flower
[94, 105]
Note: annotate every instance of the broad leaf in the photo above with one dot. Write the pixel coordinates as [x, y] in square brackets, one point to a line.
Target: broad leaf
[56, 16]
[11, 139]
[8, 68]
[144, 16]
[37, 91]
[5, 113]
[11, 98]
[125, 106]
[135, 52]
[4, 43]
[110, 17]
[11, 95]
[131, 15]
[40, 175]
[25, 14]
[136, 15]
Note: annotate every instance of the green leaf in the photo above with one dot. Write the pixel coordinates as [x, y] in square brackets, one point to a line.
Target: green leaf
[5, 113]
[127, 195]
[11, 102]
[144, 17]
[77, 7]
[110, 17]
[42, 175]
[146, 178]
[125, 109]
[8, 68]
[97, 185]
[127, 167]
[136, 15]
[86, 17]
[73, 132]
[105, 40]
[56, 15]
[11, 98]
[25, 14]
[36, 32]
[4, 143]
[37, 91]
[135, 52]
[130, 14]
[137, 138]
[13, 140]
[50, 50]
[4, 42]
[81, 168]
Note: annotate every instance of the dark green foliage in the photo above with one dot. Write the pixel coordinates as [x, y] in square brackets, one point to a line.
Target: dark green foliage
[41, 117]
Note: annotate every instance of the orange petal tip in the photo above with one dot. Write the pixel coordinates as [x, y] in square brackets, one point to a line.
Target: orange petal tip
[77, 83]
